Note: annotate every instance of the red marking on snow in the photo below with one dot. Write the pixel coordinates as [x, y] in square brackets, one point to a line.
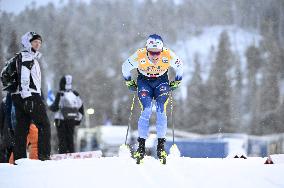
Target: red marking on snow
[269, 160]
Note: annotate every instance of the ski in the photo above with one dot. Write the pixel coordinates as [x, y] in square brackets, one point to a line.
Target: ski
[138, 157]
[141, 160]
[162, 156]
[163, 161]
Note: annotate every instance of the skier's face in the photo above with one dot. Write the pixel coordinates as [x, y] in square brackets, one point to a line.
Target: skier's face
[154, 56]
[36, 44]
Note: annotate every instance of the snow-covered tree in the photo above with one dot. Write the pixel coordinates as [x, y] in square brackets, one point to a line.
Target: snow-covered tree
[1, 57]
[13, 47]
[254, 63]
[219, 88]
[196, 105]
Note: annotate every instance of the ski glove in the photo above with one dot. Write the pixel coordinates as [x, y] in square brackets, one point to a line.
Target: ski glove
[131, 84]
[28, 105]
[174, 84]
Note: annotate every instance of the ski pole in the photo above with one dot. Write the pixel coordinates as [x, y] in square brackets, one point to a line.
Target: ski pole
[130, 117]
[172, 115]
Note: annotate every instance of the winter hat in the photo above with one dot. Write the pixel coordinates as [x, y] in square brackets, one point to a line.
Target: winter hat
[35, 36]
[154, 43]
[28, 37]
[65, 83]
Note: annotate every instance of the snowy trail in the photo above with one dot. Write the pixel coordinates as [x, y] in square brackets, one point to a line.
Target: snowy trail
[123, 172]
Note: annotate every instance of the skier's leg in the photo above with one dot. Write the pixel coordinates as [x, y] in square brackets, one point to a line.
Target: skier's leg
[143, 122]
[145, 95]
[162, 98]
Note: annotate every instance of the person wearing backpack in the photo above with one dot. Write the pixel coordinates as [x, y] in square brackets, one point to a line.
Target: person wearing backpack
[69, 111]
[29, 105]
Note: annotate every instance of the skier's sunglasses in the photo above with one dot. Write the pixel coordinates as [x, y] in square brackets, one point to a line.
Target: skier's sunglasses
[154, 53]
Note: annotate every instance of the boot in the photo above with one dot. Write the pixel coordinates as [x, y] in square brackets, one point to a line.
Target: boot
[161, 152]
[140, 152]
[44, 157]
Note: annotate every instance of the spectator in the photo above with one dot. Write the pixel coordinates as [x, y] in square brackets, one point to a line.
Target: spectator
[69, 110]
[6, 130]
[28, 102]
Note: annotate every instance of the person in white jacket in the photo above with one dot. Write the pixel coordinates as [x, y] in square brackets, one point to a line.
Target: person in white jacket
[29, 105]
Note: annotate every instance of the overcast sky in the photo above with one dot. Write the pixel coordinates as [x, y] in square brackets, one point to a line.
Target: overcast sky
[16, 6]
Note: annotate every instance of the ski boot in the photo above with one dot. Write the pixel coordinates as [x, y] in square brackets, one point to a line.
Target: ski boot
[161, 153]
[140, 152]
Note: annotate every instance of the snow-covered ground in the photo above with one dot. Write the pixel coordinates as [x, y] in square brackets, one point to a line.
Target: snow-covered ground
[121, 172]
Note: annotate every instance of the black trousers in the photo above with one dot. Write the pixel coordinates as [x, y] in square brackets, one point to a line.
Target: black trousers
[65, 133]
[5, 154]
[23, 120]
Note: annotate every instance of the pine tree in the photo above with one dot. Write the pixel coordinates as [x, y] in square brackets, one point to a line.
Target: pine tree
[270, 89]
[219, 88]
[98, 36]
[281, 117]
[269, 93]
[13, 47]
[196, 113]
[62, 64]
[1, 57]
[254, 63]
[237, 101]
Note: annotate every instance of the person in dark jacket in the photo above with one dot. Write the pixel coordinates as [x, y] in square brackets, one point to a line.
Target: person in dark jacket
[69, 111]
[7, 140]
[7, 133]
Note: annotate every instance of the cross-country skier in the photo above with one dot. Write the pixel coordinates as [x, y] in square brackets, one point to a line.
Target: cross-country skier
[152, 63]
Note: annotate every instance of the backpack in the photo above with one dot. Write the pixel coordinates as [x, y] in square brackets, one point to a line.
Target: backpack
[9, 74]
[70, 105]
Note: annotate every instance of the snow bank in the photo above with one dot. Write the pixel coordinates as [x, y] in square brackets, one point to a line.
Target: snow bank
[117, 172]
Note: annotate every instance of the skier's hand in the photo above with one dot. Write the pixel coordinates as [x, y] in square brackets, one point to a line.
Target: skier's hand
[28, 105]
[174, 84]
[131, 84]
